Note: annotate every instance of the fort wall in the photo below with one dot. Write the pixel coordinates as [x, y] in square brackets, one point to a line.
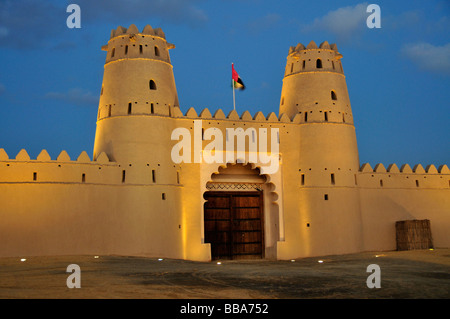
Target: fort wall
[393, 194]
[132, 198]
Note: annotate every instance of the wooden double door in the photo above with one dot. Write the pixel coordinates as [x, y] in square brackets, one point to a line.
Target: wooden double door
[234, 224]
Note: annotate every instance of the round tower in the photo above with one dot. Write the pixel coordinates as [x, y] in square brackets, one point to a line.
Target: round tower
[138, 88]
[314, 95]
[134, 126]
[314, 90]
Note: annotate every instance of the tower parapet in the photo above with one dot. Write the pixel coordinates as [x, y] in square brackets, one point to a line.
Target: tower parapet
[138, 76]
[314, 85]
[311, 58]
[132, 44]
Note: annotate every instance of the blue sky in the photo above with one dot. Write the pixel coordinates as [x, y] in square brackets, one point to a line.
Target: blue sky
[398, 76]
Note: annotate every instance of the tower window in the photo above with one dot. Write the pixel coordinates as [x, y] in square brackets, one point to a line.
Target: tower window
[332, 63]
[332, 179]
[151, 108]
[306, 116]
[325, 197]
[83, 178]
[34, 176]
[304, 64]
[303, 179]
[417, 183]
[126, 49]
[113, 51]
[343, 117]
[292, 67]
[282, 100]
[129, 108]
[333, 95]
[153, 176]
[163, 196]
[140, 48]
[326, 116]
[152, 85]
[123, 176]
[156, 51]
[319, 63]
[381, 183]
[109, 110]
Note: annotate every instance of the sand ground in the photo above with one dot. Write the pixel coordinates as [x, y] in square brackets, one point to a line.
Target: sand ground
[404, 275]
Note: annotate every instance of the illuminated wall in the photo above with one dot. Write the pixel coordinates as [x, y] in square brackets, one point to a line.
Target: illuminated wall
[133, 199]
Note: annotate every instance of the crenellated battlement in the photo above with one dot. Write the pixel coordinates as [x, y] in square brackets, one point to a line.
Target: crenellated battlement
[405, 177]
[130, 44]
[259, 117]
[405, 168]
[233, 115]
[63, 157]
[132, 29]
[83, 170]
[313, 46]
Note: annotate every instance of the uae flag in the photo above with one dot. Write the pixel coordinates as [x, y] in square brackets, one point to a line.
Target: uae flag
[236, 81]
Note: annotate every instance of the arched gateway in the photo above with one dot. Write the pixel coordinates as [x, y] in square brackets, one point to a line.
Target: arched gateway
[234, 213]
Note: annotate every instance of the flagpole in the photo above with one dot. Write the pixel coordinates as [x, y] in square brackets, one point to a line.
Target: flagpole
[234, 98]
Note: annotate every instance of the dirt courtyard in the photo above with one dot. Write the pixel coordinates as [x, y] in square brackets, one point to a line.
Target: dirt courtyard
[404, 275]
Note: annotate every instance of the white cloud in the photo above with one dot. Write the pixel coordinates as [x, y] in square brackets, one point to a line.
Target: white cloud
[343, 22]
[429, 57]
[74, 96]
